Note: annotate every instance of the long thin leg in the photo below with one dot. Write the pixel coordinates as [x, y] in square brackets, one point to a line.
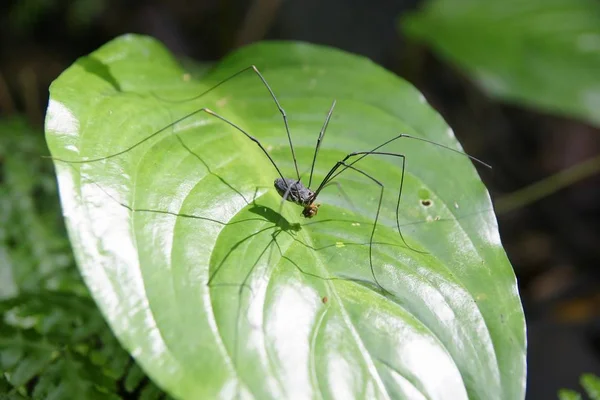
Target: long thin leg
[332, 174]
[223, 181]
[264, 81]
[403, 135]
[283, 115]
[255, 140]
[174, 214]
[206, 91]
[318, 146]
[375, 222]
[205, 110]
[231, 250]
[198, 217]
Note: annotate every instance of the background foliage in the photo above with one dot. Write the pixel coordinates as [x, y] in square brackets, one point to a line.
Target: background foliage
[541, 53]
[54, 342]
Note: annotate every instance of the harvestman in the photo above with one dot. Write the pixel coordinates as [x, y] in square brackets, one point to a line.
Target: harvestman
[294, 190]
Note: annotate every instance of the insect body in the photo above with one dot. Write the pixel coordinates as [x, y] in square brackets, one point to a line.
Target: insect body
[297, 193]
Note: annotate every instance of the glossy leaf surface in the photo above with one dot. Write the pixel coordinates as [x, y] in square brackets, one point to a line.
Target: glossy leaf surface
[217, 294]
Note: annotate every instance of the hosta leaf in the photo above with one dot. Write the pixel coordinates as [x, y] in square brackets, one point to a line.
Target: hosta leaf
[591, 383]
[543, 53]
[291, 309]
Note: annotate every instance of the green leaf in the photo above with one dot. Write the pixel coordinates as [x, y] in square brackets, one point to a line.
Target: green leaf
[150, 393]
[566, 394]
[291, 308]
[591, 384]
[542, 53]
[29, 367]
[134, 377]
[9, 357]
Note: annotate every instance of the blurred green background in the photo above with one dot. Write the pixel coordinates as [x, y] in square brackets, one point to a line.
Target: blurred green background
[519, 81]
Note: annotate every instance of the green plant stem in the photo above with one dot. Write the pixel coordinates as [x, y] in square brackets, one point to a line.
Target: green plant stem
[548, 186]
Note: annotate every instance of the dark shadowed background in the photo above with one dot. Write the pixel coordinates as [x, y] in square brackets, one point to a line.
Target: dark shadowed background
[553, 242]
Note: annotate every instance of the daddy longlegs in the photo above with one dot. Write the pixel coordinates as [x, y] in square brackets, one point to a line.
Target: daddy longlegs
[293, 189]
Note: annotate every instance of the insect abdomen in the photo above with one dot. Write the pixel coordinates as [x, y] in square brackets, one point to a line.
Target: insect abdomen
[296, 191]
